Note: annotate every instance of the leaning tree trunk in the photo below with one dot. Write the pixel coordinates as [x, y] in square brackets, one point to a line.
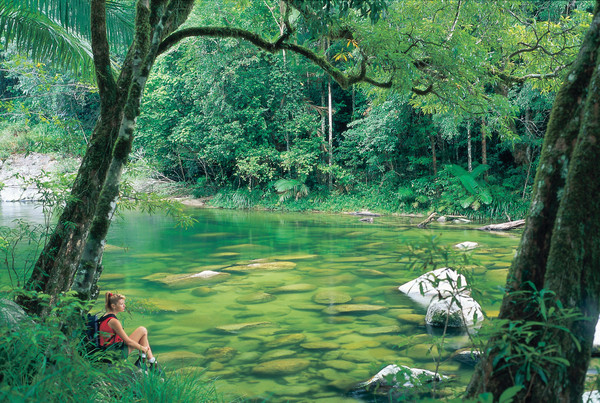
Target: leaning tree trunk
[60, 260]
[536, 265]
[145, 53]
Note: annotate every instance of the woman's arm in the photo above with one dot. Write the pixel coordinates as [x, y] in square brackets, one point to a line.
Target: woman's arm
[115, 325]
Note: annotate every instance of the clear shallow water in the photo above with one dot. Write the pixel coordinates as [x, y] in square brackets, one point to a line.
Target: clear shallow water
[269, 328]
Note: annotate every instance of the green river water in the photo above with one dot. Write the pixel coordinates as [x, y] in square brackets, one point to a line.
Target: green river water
[269, 326]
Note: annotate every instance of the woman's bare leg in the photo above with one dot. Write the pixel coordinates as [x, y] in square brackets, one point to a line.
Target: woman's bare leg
[140, 335]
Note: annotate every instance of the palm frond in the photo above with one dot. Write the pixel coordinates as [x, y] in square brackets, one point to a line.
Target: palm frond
[74, 15]
[58, 31]
[289, 188]
[45, 41]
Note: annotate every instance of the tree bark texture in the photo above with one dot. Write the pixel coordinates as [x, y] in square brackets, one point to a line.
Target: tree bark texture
[559, 249]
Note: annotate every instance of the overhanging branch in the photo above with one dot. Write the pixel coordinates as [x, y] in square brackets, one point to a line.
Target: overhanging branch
[279, 44]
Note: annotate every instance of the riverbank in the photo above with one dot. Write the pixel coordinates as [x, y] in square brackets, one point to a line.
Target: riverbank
[34, 176]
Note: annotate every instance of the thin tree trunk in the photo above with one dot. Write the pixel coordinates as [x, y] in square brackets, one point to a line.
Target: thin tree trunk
[469, 150]
[330, 121]
[484, 148]
[433, 155]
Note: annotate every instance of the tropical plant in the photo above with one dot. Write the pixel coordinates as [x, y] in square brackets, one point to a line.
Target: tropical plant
[288, 188]
[59, 32]
[478, 192]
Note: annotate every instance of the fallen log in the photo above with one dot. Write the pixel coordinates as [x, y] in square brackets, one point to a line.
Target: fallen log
[427, 220]
[504, 226]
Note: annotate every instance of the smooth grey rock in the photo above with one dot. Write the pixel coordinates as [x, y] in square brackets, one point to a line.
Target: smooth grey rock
[467, 356]
[11, 314]
[461, 311]
[401, 376]
[466, 245]
[281, 367]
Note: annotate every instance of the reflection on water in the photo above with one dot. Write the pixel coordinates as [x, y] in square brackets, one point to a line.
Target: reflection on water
[290, 307]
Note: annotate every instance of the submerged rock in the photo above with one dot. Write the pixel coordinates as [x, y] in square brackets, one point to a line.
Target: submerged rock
[328, 297]
[371, 273]
[255, 298]
[441, 282]
[261, 266]
[281, 367]
[237, 327]
[277, 354]
[372, 331]
[160, 305]
[320, 345]
[181, 359]
[286, 340]
[293, 288]
[220, 354]
[340, 365]
[460, 311]
[187, 280]
[353, 308]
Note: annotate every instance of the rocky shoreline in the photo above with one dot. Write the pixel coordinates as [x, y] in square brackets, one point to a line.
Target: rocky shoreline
[21, 175]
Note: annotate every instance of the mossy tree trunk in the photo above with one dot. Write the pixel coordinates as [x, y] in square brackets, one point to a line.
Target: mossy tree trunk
[76, 245]
[559, 249]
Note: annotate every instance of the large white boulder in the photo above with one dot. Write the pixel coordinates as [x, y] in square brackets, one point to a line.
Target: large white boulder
[401, 376]
[592, 396]
[442, 282]
[462, 311]
[596, 343]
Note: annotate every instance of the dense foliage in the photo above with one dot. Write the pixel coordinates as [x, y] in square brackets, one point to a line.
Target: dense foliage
[228, 120]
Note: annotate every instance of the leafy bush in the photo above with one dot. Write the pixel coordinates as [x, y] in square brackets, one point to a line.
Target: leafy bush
[46, 360]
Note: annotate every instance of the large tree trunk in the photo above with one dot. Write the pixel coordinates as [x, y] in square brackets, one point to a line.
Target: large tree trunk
[557, 249]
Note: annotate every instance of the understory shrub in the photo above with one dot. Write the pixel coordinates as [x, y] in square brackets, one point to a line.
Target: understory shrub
[46, 360]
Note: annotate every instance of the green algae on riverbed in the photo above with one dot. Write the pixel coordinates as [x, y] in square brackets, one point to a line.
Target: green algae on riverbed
[329, 317]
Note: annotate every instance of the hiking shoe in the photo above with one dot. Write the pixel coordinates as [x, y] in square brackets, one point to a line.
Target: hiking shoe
[140, 363]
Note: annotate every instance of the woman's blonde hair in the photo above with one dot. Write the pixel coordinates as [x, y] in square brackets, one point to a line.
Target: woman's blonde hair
[110, 299]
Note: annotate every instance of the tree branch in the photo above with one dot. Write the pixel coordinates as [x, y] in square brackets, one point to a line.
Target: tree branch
[451, 33]
[279, 44]
[100, 50]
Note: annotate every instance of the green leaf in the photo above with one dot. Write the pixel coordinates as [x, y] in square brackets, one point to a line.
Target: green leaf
[508, 395]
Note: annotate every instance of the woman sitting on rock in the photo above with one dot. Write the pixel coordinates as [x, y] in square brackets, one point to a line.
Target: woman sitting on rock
[111, 331]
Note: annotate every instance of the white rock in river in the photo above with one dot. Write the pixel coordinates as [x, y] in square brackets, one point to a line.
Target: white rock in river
[596, 343]
[592, 396]
[403, 376]
[444, 282]
[462, 310]
[466, 245]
